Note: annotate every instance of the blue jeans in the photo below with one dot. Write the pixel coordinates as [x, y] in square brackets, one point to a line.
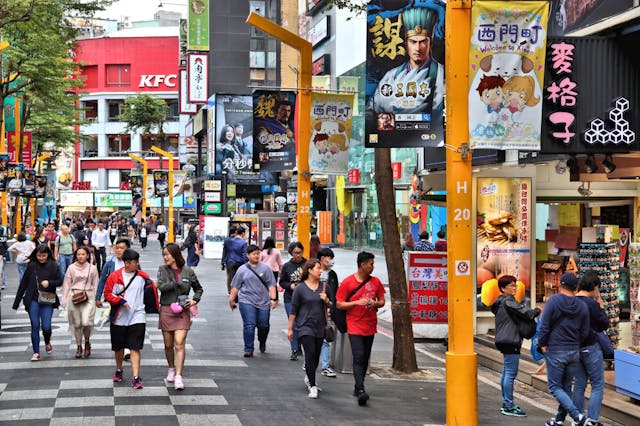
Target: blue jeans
[593, 369]
[325, 355]
[294, 341]
[509, 373]
[40, 314]
[64, 260]
[253, 317]
[21, 268]
[562, 367]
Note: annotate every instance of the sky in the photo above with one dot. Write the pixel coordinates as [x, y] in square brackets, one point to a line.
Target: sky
[141, 10]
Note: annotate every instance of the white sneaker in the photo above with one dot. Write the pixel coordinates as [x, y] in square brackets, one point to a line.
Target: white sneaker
[328, 372]
[306, 382]
[171, 375]
[313, 392]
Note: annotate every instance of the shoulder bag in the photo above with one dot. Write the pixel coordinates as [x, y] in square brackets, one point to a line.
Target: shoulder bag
[81, 297]
[329, 328]
[340, 317]
[526, 327]
[44, 297]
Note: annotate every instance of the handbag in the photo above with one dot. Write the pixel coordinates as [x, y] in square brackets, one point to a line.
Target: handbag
[81, 297]
[340, 315]
[45, 297]
[605, 344]
[329, 328]
[526, 327]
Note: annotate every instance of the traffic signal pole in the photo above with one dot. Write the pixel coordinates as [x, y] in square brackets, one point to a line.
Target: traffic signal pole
[461, 360]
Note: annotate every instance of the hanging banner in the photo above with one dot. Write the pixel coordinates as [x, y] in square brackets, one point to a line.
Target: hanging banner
[503, 232]
[12, 148]
[29, 183]
[331, 123]
[185, 106]
[405, 74]
[183, 32]
[350, 85]
[506, 59]
[234, 143]
[198, 78]
[151, 187]
[161, 183]
[198, 36]
[41, 186]
[4, 168]
[14, 181]
[274, 146]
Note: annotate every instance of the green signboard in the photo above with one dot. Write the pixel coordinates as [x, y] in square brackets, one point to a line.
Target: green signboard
[212, 208]
[9, 113]
[198, 37]
[113, 199]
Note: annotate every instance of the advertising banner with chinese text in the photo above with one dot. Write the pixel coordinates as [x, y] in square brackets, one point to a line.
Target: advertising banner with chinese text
[4, 167]
[234, 136]
[29, 185]
[404, 90]
[274, 145]
[198, 36]
[428, 287]
[331, 122]
[198, 78]
[503, 232]
[26, 148]
[161, 183]
[41, 187]
[506, 60]
[15, 180]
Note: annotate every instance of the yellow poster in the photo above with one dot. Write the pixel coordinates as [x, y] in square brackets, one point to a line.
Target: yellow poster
[507, 57]
[331, 122]
[569, 215]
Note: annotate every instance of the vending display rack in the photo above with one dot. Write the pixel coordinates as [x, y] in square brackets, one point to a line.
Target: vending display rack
[604, 259]
[634, 292]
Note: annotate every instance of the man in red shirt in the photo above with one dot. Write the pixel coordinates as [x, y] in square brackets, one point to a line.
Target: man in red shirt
[361, 295]
[51, 235]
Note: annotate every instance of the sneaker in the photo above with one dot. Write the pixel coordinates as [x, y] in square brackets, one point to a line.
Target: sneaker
[171, 375]
[294, 356]
[248, 354]
[327, 372]
[553, 422]
[117, 376]
[513, 411]
[313, 392]
[179, 384]
[582, 420]
[35, 357]
[306, 382]
[299, 351]
[48, 348]
[363, 397]
[263, 347]
[591, 422]
[136, 382]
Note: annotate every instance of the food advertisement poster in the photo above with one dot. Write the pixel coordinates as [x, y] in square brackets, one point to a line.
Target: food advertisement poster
[331, 117]
[506, 59]
[503, 235]
[428, 287]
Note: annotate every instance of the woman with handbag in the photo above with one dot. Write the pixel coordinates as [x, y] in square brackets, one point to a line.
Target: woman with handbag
[175, 281]
[508, 339]
[79, 298]
[308, 315]
[37, 291]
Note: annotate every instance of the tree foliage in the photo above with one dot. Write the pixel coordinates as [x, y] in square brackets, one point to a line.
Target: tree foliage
[145, 113]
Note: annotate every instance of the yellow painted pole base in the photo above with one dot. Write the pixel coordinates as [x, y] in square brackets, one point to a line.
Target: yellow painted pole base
[462, 389]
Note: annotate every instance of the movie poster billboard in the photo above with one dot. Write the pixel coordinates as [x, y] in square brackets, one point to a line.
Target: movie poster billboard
[405, 85]
[135, 183]
[41, 186]
[506, 60]
[234, 130]
[503, 234]
[161, 183]
[274, 145]
[15, 178]
[29, 183]
[4, 167]
[331, 122]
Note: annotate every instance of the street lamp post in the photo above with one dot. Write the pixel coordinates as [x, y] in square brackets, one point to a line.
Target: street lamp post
[162, 152]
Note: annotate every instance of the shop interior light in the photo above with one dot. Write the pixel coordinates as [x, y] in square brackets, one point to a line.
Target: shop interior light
[607, 164]
[572, 165]
[590, 164]
[585, 191]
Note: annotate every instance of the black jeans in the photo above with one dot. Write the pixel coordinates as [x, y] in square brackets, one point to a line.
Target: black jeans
[161, 238]
[231, 268]
[361, 351]
[101, 257]
[312, 346]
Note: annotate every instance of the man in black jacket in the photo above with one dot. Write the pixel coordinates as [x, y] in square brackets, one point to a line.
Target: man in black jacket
[508, 340]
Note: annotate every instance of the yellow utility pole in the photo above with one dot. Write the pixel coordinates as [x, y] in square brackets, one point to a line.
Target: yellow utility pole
[32, 202]
[303, 120]
[18, 134]
[171, 237]
[461, 360]
[3, 200]
[145, 170]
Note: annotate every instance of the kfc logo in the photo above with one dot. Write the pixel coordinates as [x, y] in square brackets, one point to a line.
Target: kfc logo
[154, 80]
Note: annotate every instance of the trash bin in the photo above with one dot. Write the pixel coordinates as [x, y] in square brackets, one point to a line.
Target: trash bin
[341, 356]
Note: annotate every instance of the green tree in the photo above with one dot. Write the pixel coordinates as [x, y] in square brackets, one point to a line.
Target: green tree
[145, 113]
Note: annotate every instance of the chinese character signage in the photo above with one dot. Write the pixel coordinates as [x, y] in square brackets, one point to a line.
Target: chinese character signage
[274, 146]
[428, 287]
[112, 199]
[504, 230]
[331, 122]
[506, 59]
[161, 183]
[561, 93]
[198, 75]
[185, 106]
[405, 74]
[198, 36]
[14, 147]
[234, 142]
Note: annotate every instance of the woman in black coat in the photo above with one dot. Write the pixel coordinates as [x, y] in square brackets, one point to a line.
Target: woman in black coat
[37, 291]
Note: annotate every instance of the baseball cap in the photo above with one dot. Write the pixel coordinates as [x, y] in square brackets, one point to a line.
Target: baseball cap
[569, 281]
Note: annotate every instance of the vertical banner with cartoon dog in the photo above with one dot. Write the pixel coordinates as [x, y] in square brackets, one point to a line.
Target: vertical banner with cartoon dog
[503, 235]
[508, 43]
[331, 117]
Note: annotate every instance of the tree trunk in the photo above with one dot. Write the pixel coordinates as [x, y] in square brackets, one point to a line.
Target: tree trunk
[404, 353]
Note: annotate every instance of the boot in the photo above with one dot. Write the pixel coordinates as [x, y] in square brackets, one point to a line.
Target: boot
[262, 338]
[87, 349]
[79, 352]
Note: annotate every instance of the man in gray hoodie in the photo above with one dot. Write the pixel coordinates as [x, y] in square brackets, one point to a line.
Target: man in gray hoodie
[564, 326]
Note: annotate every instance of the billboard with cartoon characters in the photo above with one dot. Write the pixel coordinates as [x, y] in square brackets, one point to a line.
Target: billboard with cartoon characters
[331, 117]
[506, 59]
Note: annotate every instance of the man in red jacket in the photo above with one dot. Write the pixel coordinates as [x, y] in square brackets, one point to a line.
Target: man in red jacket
[124, 291]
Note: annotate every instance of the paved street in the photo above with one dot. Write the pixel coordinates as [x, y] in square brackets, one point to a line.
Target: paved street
[222, 387]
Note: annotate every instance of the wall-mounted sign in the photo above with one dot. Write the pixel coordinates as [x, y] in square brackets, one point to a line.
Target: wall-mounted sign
[427, 277]
[198, 72]
[113, 199]
[315, 5]
[212, 185]
[321, 65]
[212, 197]
[319, 32]
[213, 208]
[185, 106]
[154, 80]
[72, 198]
[198, 23]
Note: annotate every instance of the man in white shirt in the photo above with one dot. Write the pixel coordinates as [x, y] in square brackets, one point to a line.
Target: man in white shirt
[161, 229]
[100, 241]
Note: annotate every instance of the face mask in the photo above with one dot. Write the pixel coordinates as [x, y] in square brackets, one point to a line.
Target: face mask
[331, 263]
